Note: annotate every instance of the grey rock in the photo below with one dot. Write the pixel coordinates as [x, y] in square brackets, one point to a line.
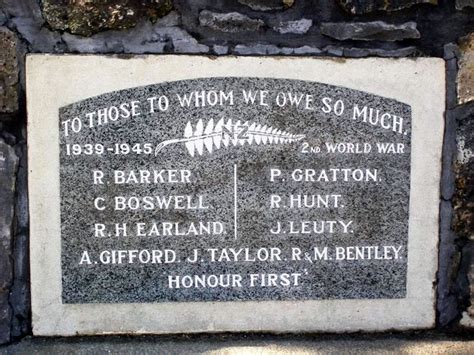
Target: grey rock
[220, 50]
[307, 50]
[183, 42]
[21, 205]
[144, 38]
[172, 19]
[9, 73]
[22, 8]
[87, 17]
[357, 7]
[257, 49]
[267, 5]
[365, 52]
[370, 31]
[5, 317]
[465, 77]
[333, 50]
[231, 22]
[287, 50]
[39, 38]
[3, 17]
[447, 303]
[100, 43]
[20, 294]
[8, 167]
[461, 4]
[297, 27]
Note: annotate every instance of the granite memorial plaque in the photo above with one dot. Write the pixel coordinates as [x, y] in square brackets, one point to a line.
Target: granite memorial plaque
[189, 194]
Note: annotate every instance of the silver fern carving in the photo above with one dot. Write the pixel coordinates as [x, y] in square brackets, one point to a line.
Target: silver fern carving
[222, 134]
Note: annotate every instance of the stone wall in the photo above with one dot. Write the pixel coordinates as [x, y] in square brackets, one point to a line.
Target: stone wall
[337, 28]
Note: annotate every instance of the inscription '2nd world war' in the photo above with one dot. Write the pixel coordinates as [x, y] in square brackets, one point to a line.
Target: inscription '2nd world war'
[222, 189]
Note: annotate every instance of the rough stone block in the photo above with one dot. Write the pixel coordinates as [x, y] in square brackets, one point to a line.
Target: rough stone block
[5, 317]
[8, 166]
[370, 31]
[231, 22]
[88, 17]
[461, 4]
[357, 7]
[267, 5]
[297, 27]
[9, 73]
[465, 78]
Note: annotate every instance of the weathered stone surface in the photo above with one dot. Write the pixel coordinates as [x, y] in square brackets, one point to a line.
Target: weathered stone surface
[231, 22]
[267, 5]
[3, 17]
[365, 52]
[370, 31]
[87, 17]
[307, 50]
[270, 49]
[297, 27]
[163, 36]
[5, 317]
[464, 197]
[461, 4]
[8, 166]
[220, 50]
[367, 6]
[465, 78]
[257, 49]
[9, 71]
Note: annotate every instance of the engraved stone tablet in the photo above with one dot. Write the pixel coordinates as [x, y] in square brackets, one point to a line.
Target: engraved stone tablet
[188, 194]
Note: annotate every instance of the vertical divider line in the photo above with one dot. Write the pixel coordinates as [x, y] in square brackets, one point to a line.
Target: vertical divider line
[235, 201]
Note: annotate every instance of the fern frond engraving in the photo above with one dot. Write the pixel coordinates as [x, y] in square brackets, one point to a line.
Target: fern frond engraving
[212, 136]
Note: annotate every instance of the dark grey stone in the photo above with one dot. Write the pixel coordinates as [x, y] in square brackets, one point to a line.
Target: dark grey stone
[257, 49]
[144, 38]
[296, 27]
[5, 317]
[87, 17]
[234, 183]
[370, 31]
[392, 53]
[3, 17]
[9, 73]
[21, 205]
[231, 22]
[307, 50]
[449, 155]
[367, 6]
[220, 50]
[8, 166]
[333, 50]
[447, 301]
[39, 38]
[267, 5]
[20, 290]
[462, 4]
